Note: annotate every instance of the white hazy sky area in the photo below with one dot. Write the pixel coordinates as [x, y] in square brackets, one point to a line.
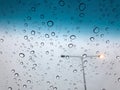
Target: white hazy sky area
[40, 66]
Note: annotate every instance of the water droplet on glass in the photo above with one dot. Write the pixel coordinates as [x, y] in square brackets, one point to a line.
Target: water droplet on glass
[32, 32]
[70, 45]
[33, 9]
[92, 39]
[42, 16]
[24, 86]
[13, 70]
[53, 34]
[103, 89]
[96, 30]
[119, 79]
[101, 35]
[81, 14]
[72, 37]
[16, 75]
[28, 18]
[54, 88]
[57, 77]
[32, 52]
[28, 81]
[22, 55]
[84, 55]
[47, 52]
[1, 40]
[9, 88]
[107, 42]
[61, 3]
[117, 57]
[47, 35]
[42, 43]
[50, 23]
[82, 6]
[25, 37]
[75, 70]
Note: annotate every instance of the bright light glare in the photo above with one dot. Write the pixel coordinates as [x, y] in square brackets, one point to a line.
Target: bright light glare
[101, 56]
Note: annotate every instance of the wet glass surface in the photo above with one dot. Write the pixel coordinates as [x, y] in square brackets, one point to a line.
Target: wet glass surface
[59, 45]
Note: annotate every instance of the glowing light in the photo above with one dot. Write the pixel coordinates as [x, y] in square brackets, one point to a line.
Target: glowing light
[101, 56]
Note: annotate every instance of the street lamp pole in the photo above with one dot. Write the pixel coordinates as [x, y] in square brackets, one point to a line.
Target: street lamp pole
[83, 69]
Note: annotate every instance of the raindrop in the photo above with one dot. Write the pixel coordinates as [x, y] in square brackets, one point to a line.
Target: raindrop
[28, 81]
[24, 86]
[26, 24]
[34, 65]
[9, 88]
[1, 40]
[81, 14]
[117, 57]
[47, 35]
[57, 77]
[42, 43]
[67, 57]
[96, 30]
[50, 23]
[47, 52]
[92, 39]
[61, 3]
[33, 9]
[72, 37]
[32, 52]
[42, 16]
[101, 35]
[85, 61]
[22, 55]
[48, 82]
[32, 32]
[75, 70]
[13, 70]
[103, 89]
[119, 79]
[25, 37]
[84, 55]
[82, 6]
[52, 33]
[54, 88]
[70, 45]
[28, 18]
[16, 75]
[107, 42]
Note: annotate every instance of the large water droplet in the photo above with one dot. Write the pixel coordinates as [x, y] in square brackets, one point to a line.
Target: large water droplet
[22, 55]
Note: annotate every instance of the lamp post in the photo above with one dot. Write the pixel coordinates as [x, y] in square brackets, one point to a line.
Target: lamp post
[83, 69]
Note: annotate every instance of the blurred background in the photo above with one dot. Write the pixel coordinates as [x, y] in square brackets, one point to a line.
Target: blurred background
[35, 33]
